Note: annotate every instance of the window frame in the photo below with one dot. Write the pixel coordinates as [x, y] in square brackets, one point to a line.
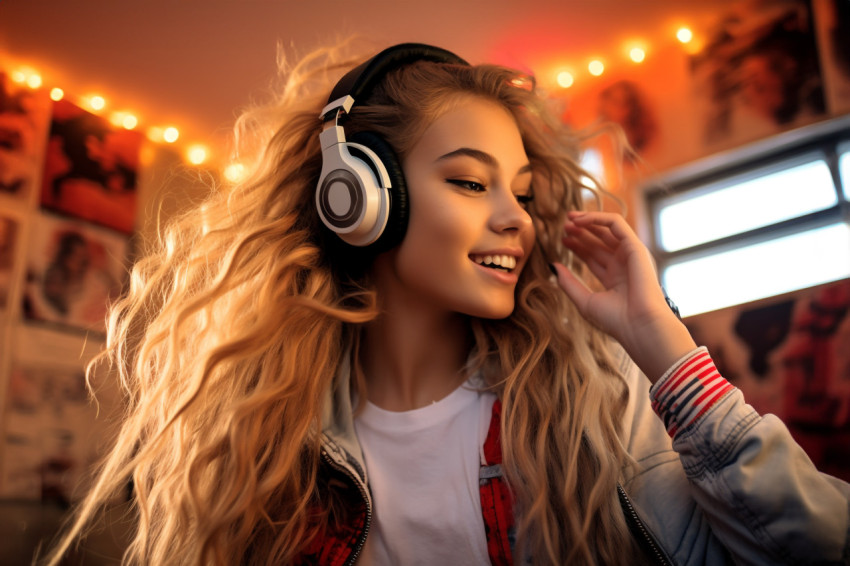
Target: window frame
[828, 139]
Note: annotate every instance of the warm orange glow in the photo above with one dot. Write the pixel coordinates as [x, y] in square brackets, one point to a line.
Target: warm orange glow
[234, 172]
[596, 67]
[57, 93]
[684, 35]
[170, 134]
[197, 154]
[155, 134]
[695, 45]
[637, 54]
[18, 76]
[565, 79]
[124, 119]
[34, 80]
[97, 103]
[147, 154]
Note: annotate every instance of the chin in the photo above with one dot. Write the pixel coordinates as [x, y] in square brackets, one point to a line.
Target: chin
[493, 312]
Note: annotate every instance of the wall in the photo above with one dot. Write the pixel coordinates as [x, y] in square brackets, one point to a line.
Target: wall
[77, 197]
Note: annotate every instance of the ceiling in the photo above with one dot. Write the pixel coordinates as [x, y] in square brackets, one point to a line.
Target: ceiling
[194, 63]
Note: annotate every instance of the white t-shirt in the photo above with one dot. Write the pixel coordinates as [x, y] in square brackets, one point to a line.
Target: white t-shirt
[423, 468]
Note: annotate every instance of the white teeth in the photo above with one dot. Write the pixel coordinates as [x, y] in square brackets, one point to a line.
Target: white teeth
[505, 261]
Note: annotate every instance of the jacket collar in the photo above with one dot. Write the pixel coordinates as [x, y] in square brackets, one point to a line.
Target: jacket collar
[339, 440]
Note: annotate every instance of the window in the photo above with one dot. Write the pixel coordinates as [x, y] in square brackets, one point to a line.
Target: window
[844, 162]
[766, 224]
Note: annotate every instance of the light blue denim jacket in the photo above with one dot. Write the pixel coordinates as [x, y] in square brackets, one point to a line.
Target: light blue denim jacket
[732, 488]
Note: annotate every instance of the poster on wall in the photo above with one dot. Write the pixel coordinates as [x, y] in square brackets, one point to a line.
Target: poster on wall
[790, 356]
[74, 270]
[633, 129]
[24, 115]
[9, 229]
[51, 436]
[91, 168]
[759, 73]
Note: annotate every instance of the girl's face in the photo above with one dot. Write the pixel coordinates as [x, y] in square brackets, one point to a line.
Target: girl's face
[469, 234]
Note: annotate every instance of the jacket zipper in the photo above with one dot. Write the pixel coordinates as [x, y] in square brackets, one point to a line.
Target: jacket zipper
[362, 541]
[632, 516]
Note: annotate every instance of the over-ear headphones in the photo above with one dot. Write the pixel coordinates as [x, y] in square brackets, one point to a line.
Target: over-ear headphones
[361, 194]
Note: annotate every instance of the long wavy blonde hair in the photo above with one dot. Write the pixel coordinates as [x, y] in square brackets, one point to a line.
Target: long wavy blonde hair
[238, 317]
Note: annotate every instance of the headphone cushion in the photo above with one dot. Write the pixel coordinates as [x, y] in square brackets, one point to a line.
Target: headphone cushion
[396, 227]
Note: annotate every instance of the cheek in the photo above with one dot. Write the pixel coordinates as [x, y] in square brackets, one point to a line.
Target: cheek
[441, 226]
[435, 247]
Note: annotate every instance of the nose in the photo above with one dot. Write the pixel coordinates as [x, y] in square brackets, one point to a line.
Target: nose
[508, 214]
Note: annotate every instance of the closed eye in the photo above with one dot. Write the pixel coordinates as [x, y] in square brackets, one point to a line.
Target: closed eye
[469, 185]
[524, 199]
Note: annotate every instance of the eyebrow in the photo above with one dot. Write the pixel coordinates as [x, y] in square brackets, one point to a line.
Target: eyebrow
[481, 156]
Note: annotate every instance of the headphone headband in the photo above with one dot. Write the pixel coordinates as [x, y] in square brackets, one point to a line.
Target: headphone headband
[358, 83]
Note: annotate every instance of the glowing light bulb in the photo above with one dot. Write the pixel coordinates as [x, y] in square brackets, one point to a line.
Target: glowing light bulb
[34, 81]
[129, 122]
[170, 134]
[637, 54]
[565, 79]
[18, 76]
[234, 172]
[684, 35]
[57, 93]
[197, 154]
[97, 103]
[596, 67]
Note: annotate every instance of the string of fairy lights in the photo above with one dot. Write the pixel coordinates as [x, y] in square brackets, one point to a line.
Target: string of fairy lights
[199, 154]
[636, 53]
[195, 154]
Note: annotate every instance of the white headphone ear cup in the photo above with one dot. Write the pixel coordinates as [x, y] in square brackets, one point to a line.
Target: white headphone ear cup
[351, 196]
[396, 226]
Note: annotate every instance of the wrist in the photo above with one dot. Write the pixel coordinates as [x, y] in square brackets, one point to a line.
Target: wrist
[657, 347]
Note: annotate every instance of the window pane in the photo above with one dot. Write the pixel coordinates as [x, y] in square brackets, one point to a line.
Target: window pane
[844, 167]
[747, 205]
[761, 270]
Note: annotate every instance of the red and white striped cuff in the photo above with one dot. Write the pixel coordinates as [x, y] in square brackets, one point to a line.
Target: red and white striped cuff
[688, 390]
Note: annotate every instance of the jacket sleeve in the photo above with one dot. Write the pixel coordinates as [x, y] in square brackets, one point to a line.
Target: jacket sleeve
[760, 494]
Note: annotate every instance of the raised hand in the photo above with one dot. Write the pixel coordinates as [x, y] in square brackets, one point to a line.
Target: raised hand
[631, 307]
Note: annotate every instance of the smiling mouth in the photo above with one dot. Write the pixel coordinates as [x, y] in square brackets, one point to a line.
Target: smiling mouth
[505, 263]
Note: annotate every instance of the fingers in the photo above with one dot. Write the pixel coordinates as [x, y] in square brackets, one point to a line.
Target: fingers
[600, 233]
[578, 221]
[593, 241]
[608, 246]
[591, 251]
[610, 227]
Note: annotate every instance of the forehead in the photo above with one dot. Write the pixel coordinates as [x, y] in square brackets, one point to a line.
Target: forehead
[473, 122]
